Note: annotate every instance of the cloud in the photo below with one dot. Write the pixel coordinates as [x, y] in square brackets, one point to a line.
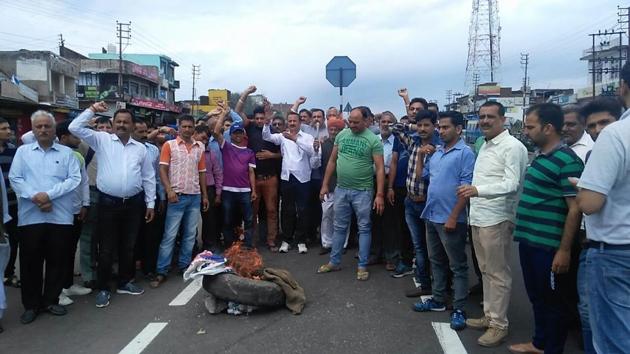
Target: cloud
[282, 46]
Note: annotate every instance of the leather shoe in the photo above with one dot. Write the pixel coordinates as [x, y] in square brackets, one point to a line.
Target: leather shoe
[525, 348]
[56, 310]
[28, 316]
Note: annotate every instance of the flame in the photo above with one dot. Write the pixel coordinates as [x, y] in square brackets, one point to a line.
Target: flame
[245, 261]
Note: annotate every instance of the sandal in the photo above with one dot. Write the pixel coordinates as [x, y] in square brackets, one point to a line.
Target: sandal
[273, 248]
[157, 281]
[327, 268]
[13, 281]
[362, 274]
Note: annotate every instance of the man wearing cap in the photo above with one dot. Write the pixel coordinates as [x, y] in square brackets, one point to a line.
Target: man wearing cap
[239, 179]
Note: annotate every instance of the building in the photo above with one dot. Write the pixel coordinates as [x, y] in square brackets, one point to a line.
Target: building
[32, 80]
[166, 70]
[602, 67]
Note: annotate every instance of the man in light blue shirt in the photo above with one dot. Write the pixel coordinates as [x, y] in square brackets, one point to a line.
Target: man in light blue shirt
[44, 176]
[450, 167]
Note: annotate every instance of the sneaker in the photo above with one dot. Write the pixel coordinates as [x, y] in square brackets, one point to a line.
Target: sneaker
[302, 248]
[76, 290]
[131, 289]
[284, 248]
[418, 291]
[402, 270]
[478, 323]
[458, 320]
[64, 300]
[429, 305]
[102, 298]
[493, 337]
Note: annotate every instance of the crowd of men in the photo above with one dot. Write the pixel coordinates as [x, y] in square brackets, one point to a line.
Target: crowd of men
[408, 192]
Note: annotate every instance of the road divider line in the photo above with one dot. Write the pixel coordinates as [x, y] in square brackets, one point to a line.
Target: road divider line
[144, 338]
[189, 291]
[449, 340]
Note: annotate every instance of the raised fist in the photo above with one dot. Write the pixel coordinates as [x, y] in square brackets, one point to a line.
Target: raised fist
[402, 92]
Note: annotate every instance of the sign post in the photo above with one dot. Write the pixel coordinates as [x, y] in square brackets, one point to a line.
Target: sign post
[341, 72]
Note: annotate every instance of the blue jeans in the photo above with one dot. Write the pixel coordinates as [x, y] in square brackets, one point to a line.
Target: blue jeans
[347, 201]
[448, 248]
[185, 211]
[232, 203]
[582, 286]
[608, 273]
[418, 230]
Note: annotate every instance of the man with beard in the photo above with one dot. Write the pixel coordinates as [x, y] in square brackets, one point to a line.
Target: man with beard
[547, 220]
[43, 175]
[124, 172]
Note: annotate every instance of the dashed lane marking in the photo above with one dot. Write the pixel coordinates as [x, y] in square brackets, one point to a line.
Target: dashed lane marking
[144, 338]
[189, 291]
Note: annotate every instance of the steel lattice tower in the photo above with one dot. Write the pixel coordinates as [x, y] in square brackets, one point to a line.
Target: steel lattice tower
[483, 42]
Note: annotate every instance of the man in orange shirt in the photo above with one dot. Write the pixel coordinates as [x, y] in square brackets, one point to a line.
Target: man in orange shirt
[183, 174]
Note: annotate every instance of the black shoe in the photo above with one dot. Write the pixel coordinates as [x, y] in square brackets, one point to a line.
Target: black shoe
[324, 250]
[56, 310]
[28, 316]
[90, 284]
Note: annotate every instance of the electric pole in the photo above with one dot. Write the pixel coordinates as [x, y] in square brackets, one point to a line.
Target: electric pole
[449, 96]
[525, 63]
[124, 32]
[599, 57]
[195, 75]
[61, 43]
[625, 24]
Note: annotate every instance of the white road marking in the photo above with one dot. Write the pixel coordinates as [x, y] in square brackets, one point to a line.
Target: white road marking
[144, 338]
[182, 298]
[449, 340]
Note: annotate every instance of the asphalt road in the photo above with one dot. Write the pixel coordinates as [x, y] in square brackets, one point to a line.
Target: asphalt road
[342, 315]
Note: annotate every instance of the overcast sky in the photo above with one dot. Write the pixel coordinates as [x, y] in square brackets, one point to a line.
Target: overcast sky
[283, 46]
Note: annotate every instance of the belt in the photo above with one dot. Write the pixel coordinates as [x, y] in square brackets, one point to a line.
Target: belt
[417, 199]
[264, 177]
[607, 246]
[119, 200]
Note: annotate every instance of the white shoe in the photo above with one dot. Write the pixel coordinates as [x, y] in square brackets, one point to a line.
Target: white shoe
[302, 248]
[76, 290]
[64, 300]
[284, 248]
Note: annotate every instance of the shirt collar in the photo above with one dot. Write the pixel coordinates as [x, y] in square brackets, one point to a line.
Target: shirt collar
[556, 148]
[389, 140]
[36, 146]
[131, 140]
[499, 138]
[585, 140]
[458, 146]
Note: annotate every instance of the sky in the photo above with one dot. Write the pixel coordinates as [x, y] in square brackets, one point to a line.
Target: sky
[283, 46]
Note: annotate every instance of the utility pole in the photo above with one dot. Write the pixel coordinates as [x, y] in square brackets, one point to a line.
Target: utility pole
[449, 96]
[476, 83]
[124, 32]
[625, 24]
[599, 57]
[195, 75]
[525, 63]
[61, 43]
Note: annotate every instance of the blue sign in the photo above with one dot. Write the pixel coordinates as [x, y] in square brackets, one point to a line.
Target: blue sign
[341, 71]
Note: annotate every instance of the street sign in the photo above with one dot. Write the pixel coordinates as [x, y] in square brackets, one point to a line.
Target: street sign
[341, 71]
[348, 108]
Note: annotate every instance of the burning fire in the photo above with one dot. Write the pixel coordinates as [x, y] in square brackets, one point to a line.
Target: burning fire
[245, 261]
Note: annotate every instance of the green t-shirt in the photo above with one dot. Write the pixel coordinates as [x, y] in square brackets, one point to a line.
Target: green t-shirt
[479, 143]
[354, 159]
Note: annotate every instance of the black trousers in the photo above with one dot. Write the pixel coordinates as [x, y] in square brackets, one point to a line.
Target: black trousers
[314, 209]
[75, 232]
[211, 230]
[14, 239]
[148, 241]
[118, 224]
[295, 213]
[49, 243]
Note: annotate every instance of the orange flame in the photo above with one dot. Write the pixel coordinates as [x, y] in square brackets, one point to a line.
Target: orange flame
[245, 261]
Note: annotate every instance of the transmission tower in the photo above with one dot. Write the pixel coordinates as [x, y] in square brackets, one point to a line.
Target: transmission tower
[484, 37]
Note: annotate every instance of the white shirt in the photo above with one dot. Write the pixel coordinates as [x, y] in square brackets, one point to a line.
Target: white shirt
[608, 172]
[388, 147]
[583, 146]
[123, 170]
[625, 114]
[498, 175]
[296, 155]
[81, 197]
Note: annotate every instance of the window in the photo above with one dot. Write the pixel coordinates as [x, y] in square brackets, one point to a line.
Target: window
[144, 90]
[133, 88]
[88, 79]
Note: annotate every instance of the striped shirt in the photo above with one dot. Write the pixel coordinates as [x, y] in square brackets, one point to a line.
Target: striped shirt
[6, 158]
[542, 208]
